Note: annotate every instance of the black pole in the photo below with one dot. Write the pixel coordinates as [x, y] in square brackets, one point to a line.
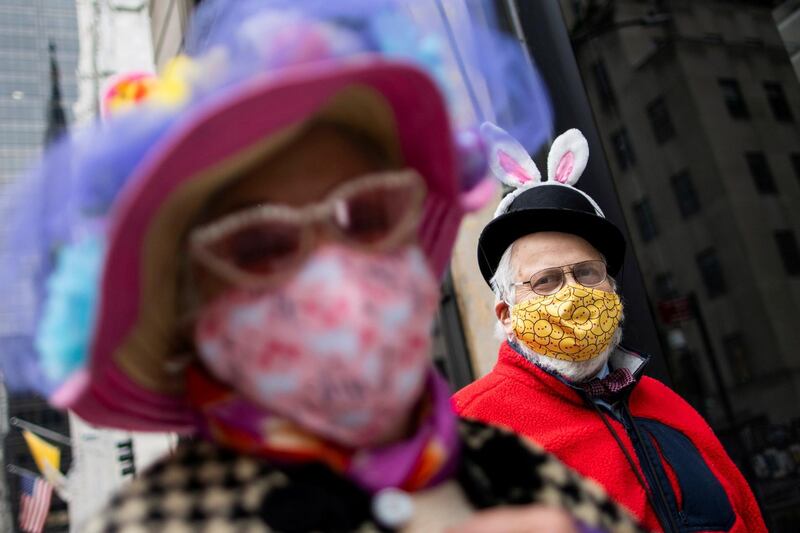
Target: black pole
[457, 358]
[547, 38]
[711, 355]
[56, 117]
[727, 406]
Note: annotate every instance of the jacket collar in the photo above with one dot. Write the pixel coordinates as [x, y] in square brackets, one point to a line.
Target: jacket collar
[633, 361]
[510, 358]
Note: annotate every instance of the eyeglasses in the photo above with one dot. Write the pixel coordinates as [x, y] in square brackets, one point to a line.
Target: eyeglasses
[255, 246]
[550, 280]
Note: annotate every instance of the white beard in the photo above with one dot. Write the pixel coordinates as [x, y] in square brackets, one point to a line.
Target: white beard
[575, 372]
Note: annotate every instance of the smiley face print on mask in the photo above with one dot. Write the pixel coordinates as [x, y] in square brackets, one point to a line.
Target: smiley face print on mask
[575, 324]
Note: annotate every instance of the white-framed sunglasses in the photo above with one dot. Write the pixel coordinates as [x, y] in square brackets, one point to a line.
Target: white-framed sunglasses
[255, 246]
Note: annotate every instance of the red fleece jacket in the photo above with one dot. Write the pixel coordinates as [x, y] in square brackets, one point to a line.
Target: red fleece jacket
[521, 396]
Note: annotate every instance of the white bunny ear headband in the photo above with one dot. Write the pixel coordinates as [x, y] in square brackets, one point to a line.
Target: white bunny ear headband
[512, 165]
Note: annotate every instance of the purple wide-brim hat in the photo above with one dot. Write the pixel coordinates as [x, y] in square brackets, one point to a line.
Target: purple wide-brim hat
[133, 379]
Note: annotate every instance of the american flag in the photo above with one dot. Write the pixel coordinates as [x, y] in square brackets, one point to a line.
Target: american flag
[34, 503]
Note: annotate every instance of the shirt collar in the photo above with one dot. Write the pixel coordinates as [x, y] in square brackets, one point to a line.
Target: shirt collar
[621, 358]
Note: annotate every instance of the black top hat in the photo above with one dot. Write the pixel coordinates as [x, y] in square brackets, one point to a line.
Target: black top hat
[537, 206]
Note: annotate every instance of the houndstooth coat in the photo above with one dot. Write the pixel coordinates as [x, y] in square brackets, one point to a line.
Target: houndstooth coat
[202, 487]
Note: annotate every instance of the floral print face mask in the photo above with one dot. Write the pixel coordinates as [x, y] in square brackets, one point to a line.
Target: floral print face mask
[342, 349]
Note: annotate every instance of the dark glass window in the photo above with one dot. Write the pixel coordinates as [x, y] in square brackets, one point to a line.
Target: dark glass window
[660, 121]
[790, 252]
[762, 175]
[711, 273]
[777, 102]
[796, 164]
[685, 194]
[737, 353]
[623, 150]
[603, 83]
[645, 220]
[665, 286]
[732, 95]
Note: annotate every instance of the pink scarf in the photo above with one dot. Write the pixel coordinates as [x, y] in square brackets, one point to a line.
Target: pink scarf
[423, 459]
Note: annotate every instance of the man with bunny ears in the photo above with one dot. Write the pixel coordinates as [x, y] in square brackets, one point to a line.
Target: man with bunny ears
[561, 377]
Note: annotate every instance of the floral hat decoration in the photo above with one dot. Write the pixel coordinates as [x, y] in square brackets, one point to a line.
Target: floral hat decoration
[94, 232]
[535, 205]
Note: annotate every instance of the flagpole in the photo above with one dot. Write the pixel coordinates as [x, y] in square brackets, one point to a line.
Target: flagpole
[60, 485]
[41, 431]
[18, 470]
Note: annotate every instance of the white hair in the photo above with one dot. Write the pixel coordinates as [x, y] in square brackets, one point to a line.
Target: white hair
[574, 371]
[503, 280]
[503, 286]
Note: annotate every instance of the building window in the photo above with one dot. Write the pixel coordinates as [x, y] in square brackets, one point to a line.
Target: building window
[665, 286]
[645, 220]
[604, 89]
[660, 121]
[777, 102]
[685, 194]
[761, 173]
[732, 95]
[737, 354]
[790, 252]
[796, 164]
[623, 149]
[711, 273]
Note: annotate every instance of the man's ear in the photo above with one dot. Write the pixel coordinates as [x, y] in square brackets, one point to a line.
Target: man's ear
[503, 313]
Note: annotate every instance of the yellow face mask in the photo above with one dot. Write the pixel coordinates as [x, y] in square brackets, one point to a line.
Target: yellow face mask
[574, 324]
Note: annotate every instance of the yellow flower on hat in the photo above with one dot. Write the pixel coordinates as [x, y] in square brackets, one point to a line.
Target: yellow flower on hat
[173, 87]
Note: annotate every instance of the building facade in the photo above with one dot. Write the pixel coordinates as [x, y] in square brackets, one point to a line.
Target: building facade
[787, 17]
[115, 37]
[169, 19]
[5, 497]
[38, 54]
[697, 104]
[38, 57]
[56, 56]
[27, 27]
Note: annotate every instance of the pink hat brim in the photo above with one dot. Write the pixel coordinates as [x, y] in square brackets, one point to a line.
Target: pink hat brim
[105, 394]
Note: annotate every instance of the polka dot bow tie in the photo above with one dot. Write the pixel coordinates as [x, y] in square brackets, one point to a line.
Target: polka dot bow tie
[611, 387]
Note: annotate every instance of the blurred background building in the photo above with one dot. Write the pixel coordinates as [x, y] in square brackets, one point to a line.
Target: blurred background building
[27, 27]
[697, 111]
[5, 497]
[114, 37]
[787, 17]
[38, 56]
[54, 58]
[697, 105]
